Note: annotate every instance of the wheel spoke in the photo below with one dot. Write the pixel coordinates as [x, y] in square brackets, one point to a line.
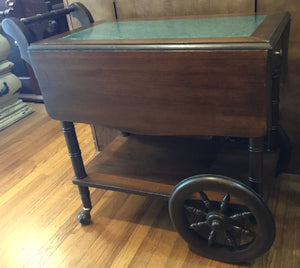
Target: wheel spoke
[212, 238]
[206, 201]
[241, 215]
[231, 241]
[199, 224]
[195, 211]
[224, 204]
[243, 231]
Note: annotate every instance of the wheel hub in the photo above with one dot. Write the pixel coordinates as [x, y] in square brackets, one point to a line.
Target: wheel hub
[217, 221]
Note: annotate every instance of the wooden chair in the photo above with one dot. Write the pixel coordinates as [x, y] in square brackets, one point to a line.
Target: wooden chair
[19, 31]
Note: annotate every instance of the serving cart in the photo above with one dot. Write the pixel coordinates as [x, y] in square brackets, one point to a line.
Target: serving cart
[182, 91]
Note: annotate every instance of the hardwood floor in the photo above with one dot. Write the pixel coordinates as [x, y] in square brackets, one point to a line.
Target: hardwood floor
[39, 206]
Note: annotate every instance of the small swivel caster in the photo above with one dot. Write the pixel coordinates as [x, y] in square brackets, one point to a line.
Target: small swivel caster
[84, 217]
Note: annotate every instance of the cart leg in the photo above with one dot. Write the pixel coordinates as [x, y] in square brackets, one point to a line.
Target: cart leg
[256, 164]
[68, 129]
[84, 216]
[272, 141]
[284, 153]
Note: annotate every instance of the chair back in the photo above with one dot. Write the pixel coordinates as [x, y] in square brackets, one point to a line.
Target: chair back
[18, 28]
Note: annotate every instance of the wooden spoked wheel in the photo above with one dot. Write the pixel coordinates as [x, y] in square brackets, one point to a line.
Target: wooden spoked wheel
[221, 218]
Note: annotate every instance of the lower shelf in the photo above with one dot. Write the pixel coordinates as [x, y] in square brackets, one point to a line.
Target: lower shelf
[152, 166]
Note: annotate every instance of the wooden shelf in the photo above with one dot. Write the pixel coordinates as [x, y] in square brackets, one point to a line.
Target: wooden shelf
[149, 165]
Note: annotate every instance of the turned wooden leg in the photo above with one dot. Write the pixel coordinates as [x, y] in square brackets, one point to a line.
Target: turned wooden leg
[84, 216]
[284, 153]
[68, 129]
[272, 137]
[74, 150]
[256, 164]
[276, 137]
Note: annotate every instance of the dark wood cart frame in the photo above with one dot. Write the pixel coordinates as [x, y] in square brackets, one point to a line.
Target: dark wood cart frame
[215, 87]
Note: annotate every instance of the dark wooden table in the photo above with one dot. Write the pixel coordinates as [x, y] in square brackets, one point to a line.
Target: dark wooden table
[166, 82]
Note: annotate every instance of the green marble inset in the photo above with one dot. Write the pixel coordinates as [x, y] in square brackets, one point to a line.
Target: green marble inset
[237, 26]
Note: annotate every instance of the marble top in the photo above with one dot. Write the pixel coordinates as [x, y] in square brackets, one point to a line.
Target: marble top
[209, 27]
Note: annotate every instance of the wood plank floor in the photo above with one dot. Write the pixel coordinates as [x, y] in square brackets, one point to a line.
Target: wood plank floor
[39, 206]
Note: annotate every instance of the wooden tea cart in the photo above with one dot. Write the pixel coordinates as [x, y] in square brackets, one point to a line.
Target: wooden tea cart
[164, 83]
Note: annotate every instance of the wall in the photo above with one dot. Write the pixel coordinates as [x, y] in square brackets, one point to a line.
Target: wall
[104, 9]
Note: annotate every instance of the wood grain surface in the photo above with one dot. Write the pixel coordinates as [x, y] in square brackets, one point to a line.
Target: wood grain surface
[142, 8]
[108, 9]
[39, 205]
[152, 166]
[157, 93]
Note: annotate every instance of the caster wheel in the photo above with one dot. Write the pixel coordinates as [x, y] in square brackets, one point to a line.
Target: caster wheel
[84, 217]
[221, 218]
